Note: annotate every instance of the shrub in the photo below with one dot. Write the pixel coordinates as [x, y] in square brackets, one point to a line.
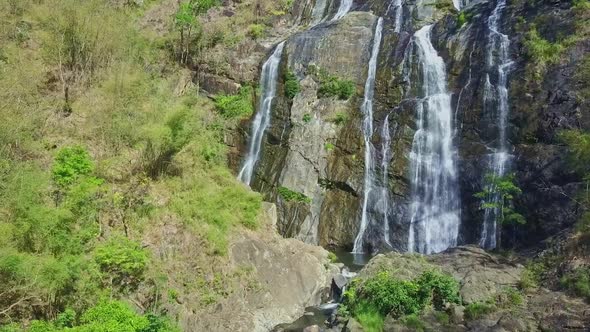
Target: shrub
[463, 18]
[387, 295]
[370, 319]
[292, 87]
[439, 288]
[236, 106]
[340, 118]
[71, 163]
[123, 260]
[306, 117]
[332, 257]
[256, 31]
[329, 146]
[290, 195]
[578, 282]
[332, 86]
[414, 322]
[478, 310]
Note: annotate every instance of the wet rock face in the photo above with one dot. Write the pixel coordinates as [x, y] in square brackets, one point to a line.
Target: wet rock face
[308, 151]
[313, 146]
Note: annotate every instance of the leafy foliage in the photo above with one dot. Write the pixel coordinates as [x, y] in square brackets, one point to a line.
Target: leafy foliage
[236, 106]
[292, 87]
[384, 294]
[123, 260]
[578, 282]
[70, 164]
[289, 195]
[499, 193]
[478, 310]
[332, 86]
[256, 31]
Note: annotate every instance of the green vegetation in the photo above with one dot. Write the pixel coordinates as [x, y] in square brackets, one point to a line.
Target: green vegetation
[578, 282]
[329, 146]
[236, 106]
[340, 118]
[332, 257]
[292, 87]
[498, 194]
[414, 322]
[98, 147]
[478, 310]
[370, 301]
[541, 52]
[105, 316]
[332, 86]
[306, 118]
[289, 195]
[463, 18]
[256, 31]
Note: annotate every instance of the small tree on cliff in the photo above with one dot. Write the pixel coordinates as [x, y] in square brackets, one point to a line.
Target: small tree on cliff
[498, 194]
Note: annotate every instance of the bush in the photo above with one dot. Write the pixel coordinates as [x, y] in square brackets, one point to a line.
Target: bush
[332, 86]
[123, 260]
[578, 282]
[340, 118]
[71, 163]
[414, 322]
[478, 310]
[306, 117]
[256, 31]
[236, 106]
[439, 288]
[292, 87]
[289, 195]
[463, 18]
[389, 295]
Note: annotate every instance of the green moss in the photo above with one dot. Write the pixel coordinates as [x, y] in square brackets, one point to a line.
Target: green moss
[290, 195]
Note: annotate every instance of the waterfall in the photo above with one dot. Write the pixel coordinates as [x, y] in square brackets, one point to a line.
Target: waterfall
[343, 9]
[496, 103]
[397, 6]
[268, 85]
[367, 111]
[434, 224]
[384, 197]
[319, 10]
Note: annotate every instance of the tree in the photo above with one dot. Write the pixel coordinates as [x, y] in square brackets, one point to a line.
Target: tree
[498, 194]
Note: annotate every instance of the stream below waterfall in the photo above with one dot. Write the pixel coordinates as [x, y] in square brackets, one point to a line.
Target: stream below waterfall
[319, 315]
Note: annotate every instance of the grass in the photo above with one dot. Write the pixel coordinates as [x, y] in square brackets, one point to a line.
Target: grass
[577, 282]
[478, 310]
[370, 319]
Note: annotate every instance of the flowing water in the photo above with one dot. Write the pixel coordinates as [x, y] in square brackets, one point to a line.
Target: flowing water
[384, 197]
[496, 106]
[268, 84]
[396, 6]
[319, 11]
[435, 203]
[367, 111]
[343, 9]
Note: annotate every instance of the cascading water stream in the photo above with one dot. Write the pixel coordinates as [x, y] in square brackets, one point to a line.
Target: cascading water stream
[496, 104]
[317, 15]
[396, 5]
[384, 197]
[268, 84]
[343, 9]
[434, 224]
[367, 111]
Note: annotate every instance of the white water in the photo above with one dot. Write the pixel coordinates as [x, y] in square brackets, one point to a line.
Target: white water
[496, 105]
[397, 6]
[367, 111]
[343, 9]
[435, 204]
[317, 15]
[384, 197]
[268, 84]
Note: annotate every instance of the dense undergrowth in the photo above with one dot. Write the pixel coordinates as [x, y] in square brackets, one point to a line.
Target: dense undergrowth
[97, 145]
